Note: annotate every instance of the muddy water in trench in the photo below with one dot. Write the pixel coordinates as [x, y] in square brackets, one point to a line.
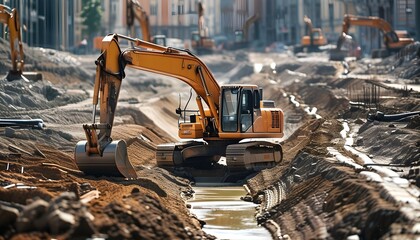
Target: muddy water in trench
[226, 215]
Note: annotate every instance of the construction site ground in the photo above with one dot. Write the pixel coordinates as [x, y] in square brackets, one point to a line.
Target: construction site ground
[343, 176]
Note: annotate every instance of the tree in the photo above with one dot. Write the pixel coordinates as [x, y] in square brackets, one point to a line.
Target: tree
[92, 18]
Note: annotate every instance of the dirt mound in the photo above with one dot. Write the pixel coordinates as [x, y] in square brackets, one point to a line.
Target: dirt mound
[150, 207]
[23, 96]
[56, 66]
[317, 196]
[406, 64]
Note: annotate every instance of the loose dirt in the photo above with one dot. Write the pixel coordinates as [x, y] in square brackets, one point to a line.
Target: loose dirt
[313, 193]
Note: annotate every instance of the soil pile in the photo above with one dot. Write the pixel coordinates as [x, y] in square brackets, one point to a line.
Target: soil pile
[342, 176]
[324, 188]
[44, 195]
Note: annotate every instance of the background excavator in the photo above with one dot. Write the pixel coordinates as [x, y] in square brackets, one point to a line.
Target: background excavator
[10, 17]
[201, 42]
[394, 40]
[313, 39]
[136, 11]
[225, 116]
[241, 35]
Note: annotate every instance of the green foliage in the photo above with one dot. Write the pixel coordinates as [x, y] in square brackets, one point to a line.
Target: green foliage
[91, 15]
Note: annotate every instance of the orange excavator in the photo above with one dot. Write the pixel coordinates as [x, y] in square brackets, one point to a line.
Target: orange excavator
[313, 39]
[394, 40]
[10, 17]
[136, 11]
[232, 121]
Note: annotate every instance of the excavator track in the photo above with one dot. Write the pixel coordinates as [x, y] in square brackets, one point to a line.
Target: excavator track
[187, 154]
[253, 156]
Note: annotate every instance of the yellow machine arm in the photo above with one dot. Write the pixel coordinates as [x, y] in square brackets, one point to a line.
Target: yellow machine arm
[10, 17]
[153, 58]
[135, 10]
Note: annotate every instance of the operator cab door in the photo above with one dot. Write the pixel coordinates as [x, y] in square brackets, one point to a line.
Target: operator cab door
[239, 108]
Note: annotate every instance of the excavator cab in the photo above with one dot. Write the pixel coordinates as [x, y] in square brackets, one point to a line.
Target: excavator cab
[238, 109]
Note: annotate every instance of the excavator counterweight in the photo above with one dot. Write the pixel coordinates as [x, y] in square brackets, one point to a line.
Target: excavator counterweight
[227, 119]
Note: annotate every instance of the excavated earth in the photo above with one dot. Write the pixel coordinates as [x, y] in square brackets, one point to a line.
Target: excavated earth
[344, 174]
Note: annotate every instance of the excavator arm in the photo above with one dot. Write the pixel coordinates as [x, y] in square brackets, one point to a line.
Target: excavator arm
[135, 10]
[10, 17]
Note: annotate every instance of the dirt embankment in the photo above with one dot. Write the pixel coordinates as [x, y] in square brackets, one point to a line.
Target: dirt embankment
[325, 188]
[44, 195]
[322, 189]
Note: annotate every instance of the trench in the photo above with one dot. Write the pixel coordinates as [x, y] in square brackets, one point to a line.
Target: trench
[225, 214]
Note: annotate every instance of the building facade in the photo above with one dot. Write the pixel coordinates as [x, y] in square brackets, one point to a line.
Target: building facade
[50, 24]
[57, 24]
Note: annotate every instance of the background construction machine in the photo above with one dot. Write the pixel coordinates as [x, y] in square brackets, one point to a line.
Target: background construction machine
[201, 42]
[392, 39]
[241, 35]
[313, 39]
[135, 11]
[10, 17]
[233, 113]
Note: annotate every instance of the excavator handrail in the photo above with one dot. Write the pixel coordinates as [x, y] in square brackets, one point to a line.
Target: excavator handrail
[10, 17]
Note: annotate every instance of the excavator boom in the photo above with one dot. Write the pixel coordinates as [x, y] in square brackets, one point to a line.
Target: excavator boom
[135, 10]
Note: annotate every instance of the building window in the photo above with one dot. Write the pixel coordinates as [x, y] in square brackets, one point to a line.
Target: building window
[173, 9]
[153, 7]
[181, 7]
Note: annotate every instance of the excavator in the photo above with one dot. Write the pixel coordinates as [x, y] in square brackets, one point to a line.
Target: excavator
[10, 17]
[201, 43]
[232, 121]
[241, 35]
[135, 10]
[313, 39]
[394, 40]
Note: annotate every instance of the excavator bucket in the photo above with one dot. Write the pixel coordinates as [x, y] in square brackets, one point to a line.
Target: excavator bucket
[27, 76]
[338, 55]
[113, 162]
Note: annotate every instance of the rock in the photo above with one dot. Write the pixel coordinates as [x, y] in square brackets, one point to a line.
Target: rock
[8, 215]
[65, 196]
[9, 132]
[84, 229]
[135, 191]
[359, 121]
[60, 222]
[359, 141]
[31, 214]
